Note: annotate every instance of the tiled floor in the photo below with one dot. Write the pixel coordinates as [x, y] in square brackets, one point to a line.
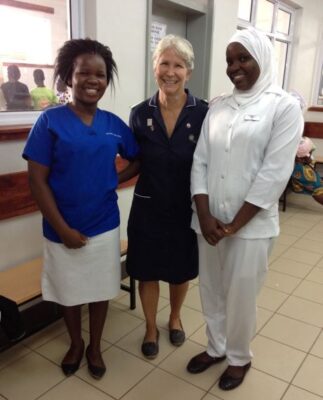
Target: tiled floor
[288, 347]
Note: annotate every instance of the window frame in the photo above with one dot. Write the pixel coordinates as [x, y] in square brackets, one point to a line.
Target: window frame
[76, 28]
[317, 80]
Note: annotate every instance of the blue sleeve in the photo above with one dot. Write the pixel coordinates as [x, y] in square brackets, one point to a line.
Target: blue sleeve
[40, 143]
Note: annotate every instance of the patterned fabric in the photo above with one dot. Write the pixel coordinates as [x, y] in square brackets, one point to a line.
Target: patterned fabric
[306, 180]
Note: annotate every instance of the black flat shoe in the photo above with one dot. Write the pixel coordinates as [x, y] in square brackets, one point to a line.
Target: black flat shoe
[228, 381]
[177, 336]
[70, 368]
[150, 349]
[201, 362]
[95, 371]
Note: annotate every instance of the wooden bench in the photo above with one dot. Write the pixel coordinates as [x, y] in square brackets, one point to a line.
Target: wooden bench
[21, 283]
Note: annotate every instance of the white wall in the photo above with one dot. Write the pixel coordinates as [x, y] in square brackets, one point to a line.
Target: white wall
[122, 25]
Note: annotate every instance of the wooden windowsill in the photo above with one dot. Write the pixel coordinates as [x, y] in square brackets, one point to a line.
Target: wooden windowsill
[315, 108]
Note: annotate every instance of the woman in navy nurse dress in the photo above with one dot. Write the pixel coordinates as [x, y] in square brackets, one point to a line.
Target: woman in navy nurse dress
[161, 244]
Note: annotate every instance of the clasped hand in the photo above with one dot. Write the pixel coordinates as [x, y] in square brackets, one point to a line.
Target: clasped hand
[214, 230]
[73, 239]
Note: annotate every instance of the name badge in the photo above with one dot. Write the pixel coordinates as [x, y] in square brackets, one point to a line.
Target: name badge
[249, 117]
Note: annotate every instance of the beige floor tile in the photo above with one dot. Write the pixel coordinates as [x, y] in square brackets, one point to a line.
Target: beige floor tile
[317, 349]
[159, 385]
[301, 222]
[314, 215]
[290, 267]
[320, 263]
[74, 388]
[291, 332]
[263, 316]
[164, 289]
[302, 256]
[123, 304]
[282, 282]
[275, 358]
[176, 364]
[123, 372]
[199, 336]
[286, 239]
[316, 275]
[29, 377]
[311, 291]
[271, 299]
[191, 319]
[44, 335]
[193, 299]
[278, 250]
[55, 349]
[132, 344]
[315, 235]
[210, 397]
[309, 245]
[295, 393]
[12, 354]
[118, 324]
[256, 386]
[292, 230]
[303, 310]
[309, 376]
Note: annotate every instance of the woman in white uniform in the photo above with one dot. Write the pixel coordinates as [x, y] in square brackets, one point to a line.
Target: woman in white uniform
[242, 163]
[71, 153]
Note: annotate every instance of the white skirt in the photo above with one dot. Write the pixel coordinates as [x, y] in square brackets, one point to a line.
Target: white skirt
[86, 275]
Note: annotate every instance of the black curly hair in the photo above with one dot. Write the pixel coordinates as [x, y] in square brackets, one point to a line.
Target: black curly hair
[74, 48]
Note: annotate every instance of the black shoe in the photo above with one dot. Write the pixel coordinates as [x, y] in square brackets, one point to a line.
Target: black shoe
[70, 368]
[228, 381]
[201, 362]
[150, 349]
[95, 371]
[177, 336]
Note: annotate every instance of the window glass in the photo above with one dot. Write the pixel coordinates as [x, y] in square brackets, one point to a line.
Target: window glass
[28, 54]
[320, 93]
[283, 21]
[281, 57]
[245, 9]
[264, 17]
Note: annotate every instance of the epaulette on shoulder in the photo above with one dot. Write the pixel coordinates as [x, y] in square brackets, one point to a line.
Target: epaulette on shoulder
[217, 99]
[204, 101]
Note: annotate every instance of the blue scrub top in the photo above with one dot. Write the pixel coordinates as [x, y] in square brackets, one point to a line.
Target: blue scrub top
[81, 158]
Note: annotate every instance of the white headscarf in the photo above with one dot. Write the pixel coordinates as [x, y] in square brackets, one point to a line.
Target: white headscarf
[261, 49]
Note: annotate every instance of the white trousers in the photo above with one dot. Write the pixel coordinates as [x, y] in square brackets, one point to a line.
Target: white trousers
[231, 275]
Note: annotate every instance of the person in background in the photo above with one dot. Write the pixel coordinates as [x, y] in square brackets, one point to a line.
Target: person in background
[42, 97]
[62, 92]
[16, 93]
[242, 163]
[305, 179]
[71, 153]
[161, 244]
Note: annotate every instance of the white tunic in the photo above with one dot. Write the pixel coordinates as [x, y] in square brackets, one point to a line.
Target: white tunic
[247, 153]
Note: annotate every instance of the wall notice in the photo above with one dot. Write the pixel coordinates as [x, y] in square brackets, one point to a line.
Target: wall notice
[158, 31]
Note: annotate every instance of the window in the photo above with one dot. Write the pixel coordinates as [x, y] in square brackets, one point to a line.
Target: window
[44, 25]
[276, 19]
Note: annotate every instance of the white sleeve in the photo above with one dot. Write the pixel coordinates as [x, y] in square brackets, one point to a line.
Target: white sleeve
[279, 157]
[200, 161]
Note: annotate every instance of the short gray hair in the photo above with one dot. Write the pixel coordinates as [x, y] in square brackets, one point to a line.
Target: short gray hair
[181, 46]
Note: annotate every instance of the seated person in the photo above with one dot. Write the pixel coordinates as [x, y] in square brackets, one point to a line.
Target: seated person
[304, 178]
[42, 97]
[63, 94]
[15, 93]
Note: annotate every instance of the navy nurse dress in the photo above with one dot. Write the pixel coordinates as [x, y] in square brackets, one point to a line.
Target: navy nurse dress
[161, 243]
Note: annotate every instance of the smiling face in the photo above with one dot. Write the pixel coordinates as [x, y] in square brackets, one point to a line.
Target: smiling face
[89, 79]
[242, 68]
[171, 73]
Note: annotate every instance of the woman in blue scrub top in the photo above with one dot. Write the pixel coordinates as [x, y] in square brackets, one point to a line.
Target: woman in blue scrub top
[161, 244]
[71, 153]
